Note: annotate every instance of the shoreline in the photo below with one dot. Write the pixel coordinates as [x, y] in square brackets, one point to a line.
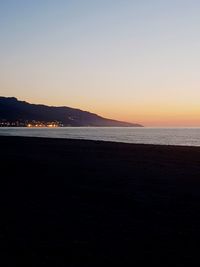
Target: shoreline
[99, 141]
[148, 136]
[75, 202]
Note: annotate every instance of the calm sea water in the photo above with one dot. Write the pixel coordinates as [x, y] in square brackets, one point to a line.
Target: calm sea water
[163, 136]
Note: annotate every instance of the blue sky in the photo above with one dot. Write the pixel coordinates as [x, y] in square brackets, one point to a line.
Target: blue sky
[131, 60]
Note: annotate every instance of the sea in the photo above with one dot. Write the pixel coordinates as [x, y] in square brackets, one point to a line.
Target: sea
[144, 135]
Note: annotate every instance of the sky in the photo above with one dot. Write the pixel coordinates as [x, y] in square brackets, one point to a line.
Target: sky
[131, 60]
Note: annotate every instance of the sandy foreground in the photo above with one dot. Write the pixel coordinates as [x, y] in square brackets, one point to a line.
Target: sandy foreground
[88, 203]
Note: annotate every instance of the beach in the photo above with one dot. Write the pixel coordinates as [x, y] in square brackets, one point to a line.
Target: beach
[89, 203]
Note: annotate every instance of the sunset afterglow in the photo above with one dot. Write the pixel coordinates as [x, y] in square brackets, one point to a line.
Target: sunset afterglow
[136, 61]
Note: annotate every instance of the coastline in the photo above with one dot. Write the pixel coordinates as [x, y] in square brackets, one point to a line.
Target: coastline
[87, 203]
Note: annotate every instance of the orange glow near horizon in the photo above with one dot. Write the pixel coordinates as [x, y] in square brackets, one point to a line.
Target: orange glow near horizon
[154, 115]
[133, 61]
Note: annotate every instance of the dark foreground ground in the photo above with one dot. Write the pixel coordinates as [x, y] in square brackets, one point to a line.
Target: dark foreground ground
[88, 203]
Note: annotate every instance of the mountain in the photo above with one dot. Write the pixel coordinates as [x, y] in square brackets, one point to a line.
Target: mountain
[12, 110]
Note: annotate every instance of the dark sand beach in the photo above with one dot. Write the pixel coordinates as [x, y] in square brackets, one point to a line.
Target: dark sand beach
[90, 203]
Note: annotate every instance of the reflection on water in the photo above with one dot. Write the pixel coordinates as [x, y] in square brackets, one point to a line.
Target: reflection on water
[164, 136]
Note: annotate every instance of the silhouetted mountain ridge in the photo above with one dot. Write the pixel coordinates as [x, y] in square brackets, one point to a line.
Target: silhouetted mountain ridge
[11, 109]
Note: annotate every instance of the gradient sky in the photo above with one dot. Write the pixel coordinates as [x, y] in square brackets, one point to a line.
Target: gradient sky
[132, 60]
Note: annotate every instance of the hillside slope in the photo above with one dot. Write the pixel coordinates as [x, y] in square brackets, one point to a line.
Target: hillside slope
[11, 109]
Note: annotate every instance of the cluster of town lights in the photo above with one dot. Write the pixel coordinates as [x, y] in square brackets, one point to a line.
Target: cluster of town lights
[43, 125]
[33, 123]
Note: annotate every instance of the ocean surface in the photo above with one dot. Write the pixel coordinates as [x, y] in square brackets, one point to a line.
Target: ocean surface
[162, 136]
